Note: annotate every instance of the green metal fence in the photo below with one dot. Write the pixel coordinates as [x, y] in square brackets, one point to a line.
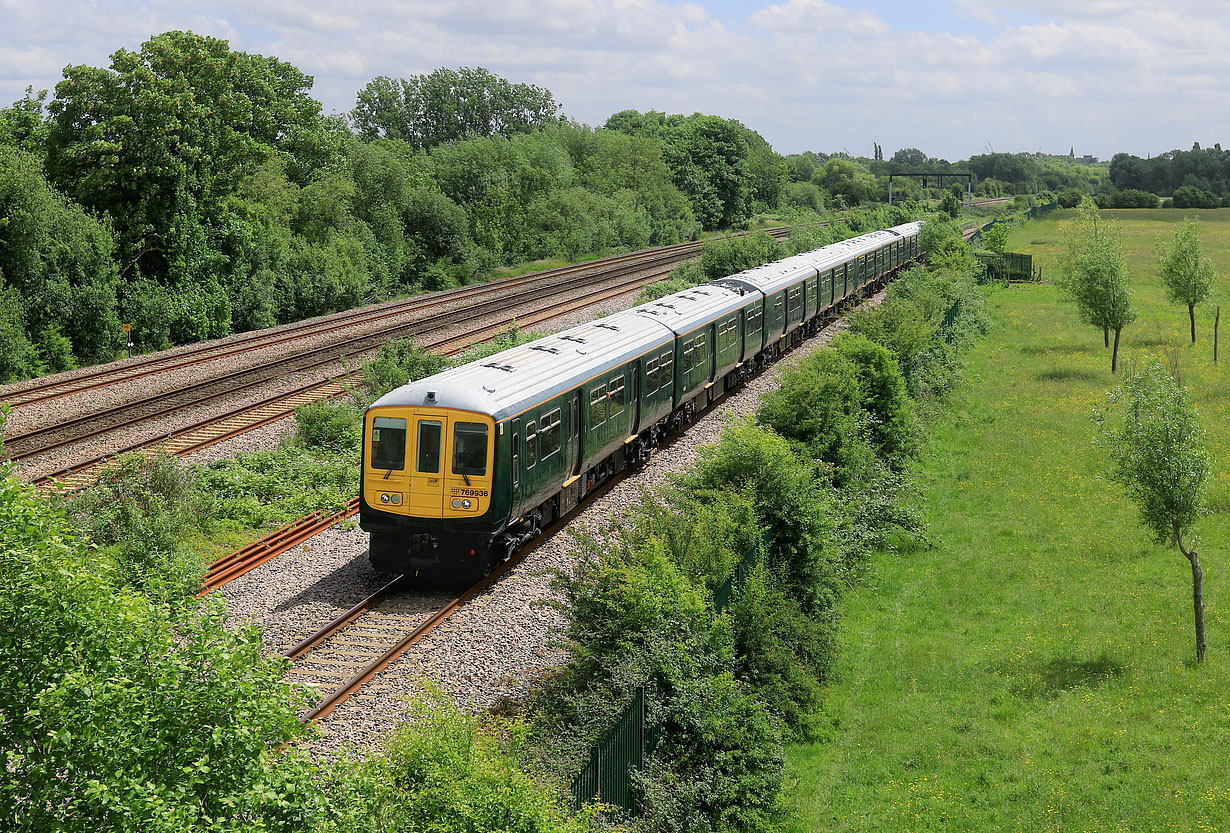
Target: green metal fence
[1010, 266]
[607, 775]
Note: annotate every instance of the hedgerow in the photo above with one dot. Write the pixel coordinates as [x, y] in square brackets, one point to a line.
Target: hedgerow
[811, 487]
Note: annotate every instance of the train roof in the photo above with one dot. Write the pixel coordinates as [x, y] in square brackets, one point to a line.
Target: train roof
[507, 383]
[684, 311]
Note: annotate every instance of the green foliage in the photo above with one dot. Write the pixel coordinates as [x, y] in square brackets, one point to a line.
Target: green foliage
[847, 182]
[58, 260]
[330, 425]
[162, 137]
[718, 163]
[719, 761]
[784, 655]
[816, 406]
[950, 204]
[450, 105]
[444, 770]
[1155, 440]
[118, 714]
[1186, 273]
[883, 396]
[18, 358]
[397, 363]
[273, 487]
[138, 513]
[1097, 279]
[793, 509]
[729, 255]
[995, 238]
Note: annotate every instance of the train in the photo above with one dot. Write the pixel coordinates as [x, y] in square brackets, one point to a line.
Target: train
[463, 468]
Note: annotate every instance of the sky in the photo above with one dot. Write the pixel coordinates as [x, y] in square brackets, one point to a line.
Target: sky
[950, 77]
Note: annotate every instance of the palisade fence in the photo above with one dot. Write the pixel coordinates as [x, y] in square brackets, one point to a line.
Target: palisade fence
[1010, 266]
[607, 776]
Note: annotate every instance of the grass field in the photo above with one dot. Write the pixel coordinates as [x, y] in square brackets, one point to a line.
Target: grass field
[1034, 670]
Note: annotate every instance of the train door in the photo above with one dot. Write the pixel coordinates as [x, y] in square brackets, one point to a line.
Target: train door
[635, 397]
[574, 432]
[712, 353]
[427, 478]
[516, 462]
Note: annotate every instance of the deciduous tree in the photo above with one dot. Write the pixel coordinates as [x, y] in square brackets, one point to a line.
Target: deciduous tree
[1186, 273]
[1096, 278]
[447, 105]
[1156, 443]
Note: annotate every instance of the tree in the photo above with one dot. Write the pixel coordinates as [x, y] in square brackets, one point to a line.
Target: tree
[447, 105]
[1186, 273]
[847, 179]
[1159, 457]
[1096, 278]
[910, 156]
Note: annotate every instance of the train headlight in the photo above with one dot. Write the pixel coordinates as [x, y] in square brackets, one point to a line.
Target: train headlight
[466, 504]
[384, 498]
[457, 503]
[396, 500]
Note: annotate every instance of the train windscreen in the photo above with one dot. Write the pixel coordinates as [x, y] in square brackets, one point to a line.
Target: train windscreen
[470, 449]
[388, 443]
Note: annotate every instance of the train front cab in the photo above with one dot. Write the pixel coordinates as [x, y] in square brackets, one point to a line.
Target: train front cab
[428, 472]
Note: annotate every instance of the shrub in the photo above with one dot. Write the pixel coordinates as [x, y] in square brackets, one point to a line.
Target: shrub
[892, 426]
[783, 654]
[816, 406]
[119, 714]
[791, 506]
[330, 424]
[719, 761]
[444, 770]
[139, 511]
[397, 363]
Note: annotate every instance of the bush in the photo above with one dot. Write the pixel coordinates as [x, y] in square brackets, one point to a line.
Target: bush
[718, 764]
[139, 512]
[331, 425]
[397, 363]
[18, 358]
[444, 770]
[891, 425]
[727, 256]
[1190, 196]
[784, 655]
[791, 506]
[276, 486]
[1070, 197]
[118, 714]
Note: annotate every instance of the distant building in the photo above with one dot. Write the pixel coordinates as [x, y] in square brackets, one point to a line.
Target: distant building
[1088, 160]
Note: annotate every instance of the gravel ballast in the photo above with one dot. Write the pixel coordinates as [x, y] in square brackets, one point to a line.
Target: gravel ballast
[500, 643]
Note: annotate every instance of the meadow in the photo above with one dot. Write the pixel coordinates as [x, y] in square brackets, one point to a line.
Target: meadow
[1033, 668]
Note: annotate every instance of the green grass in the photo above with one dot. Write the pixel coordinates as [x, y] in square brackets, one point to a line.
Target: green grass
[1034, 670]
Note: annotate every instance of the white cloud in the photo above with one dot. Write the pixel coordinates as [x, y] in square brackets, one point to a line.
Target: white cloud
[1102, 75]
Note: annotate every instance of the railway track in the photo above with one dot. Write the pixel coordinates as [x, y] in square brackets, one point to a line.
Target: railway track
[23, 394]
[244, 418]
[629, 271]
[346, 655]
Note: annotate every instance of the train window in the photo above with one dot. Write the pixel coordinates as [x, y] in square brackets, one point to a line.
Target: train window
[652, 376]
[597, 406]
[550, 433]
[668, 371]
[470, 448]
[431, 431]
[688, 348]
[615, 399]
[531, 444]
[516, 460]
[700, 358]
[388, 443]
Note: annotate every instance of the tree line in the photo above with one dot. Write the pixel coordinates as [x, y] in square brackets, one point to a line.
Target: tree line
[193, 191]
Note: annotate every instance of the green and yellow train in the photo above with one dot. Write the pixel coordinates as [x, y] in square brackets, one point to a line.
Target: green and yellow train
[462, 468]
